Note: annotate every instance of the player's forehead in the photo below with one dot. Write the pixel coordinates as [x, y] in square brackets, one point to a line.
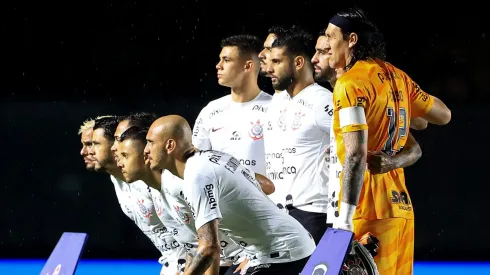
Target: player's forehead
[321, 43]
[129, 146]
[87, 135]
[98, 135]
[278, 52]
[332, 30]
[269, 40]
[229, 51]
[121, 127]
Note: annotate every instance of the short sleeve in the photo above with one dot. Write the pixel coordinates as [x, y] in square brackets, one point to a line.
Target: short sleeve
[200, 133]
[421, 102]
[202, 194]
[324, 110]
[350, 102]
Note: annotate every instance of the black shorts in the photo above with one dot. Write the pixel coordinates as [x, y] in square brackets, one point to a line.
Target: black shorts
[291, 268]
[315, 223]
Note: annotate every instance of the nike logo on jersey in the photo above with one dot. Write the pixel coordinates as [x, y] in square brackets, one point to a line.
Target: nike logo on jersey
[216, 129]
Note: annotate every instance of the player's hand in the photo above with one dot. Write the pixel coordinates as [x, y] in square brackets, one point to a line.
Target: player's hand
[241, 266]
[379, 162]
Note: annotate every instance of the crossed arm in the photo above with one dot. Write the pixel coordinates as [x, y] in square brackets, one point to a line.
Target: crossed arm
[206, 260]
[266, 184]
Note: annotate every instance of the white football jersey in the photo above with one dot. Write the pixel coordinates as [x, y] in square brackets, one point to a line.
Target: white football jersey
[216, 186]
[305, 124]
[235, 128]
[137, 203]
[177, 212]
[274, 161]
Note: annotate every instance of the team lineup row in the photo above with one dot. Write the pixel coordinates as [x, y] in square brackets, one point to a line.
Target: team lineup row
[254, 186]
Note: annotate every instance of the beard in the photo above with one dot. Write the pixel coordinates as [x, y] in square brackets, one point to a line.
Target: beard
[286, 80]
[283, 82]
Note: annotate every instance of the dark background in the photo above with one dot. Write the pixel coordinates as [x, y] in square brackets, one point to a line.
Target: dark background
[64, 62]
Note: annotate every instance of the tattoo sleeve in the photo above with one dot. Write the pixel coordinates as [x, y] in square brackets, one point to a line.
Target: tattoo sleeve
[410, 153]
[207, 254]
[355, 144]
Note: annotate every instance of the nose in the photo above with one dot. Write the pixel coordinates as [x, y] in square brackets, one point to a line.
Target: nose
[218, 66]
[269, 69]
[314, 59]
[262, 55]
[83, 152]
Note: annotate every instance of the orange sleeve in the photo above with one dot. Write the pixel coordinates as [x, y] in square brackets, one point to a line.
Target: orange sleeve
[421, 101]
[350, 100]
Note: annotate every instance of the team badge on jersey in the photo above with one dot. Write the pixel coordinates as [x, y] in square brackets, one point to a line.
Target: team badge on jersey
[158, 205]
[297, 120]
[183, 216]
[144, 211]
[257, 130]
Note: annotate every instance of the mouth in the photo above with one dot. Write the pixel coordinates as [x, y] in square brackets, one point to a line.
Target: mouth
[317, 69]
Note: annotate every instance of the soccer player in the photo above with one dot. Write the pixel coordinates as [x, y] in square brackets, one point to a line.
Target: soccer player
[134, 198]
[305, 128]
[235, 123]
[169, 204]
[225, 196]
[374, 102]
[140, 119]
[85, 133]
[272, 149]
[378, 162]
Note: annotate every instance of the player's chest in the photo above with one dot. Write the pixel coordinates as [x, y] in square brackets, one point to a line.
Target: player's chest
[297, 120]
[235, 126]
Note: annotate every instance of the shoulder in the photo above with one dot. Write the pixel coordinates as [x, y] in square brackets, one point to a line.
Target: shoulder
[219, 101]
[200, 164]
[263, 96]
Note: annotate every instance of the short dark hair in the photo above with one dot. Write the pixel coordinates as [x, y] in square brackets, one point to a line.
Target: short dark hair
[298, 42]
[279, 30]
[134, 133]
[246, 44]
[140, 119]
[371, 42]
[108, 124]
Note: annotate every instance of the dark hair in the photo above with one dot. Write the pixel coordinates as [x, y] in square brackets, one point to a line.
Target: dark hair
[246, 44]
[297, 42]
[279, 30]
[108, 124]
[140, 119]
[134, 133]
[371, 42]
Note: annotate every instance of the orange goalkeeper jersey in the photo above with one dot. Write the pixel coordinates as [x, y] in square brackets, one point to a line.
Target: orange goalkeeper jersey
[378, 97]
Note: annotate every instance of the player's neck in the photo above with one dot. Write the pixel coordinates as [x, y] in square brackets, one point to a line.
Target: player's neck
[153, 178]
[116, 172]
[245, 92]
[299, 84]
[277, 91]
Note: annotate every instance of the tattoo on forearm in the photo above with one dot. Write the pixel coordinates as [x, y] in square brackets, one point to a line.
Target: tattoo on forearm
[353, 177]
[208, 250]
[199, 264]
[353, 168]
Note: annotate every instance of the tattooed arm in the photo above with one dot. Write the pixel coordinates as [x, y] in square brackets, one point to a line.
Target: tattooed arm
[355, 144]
[379, 162]
[207, 255]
